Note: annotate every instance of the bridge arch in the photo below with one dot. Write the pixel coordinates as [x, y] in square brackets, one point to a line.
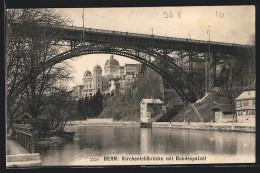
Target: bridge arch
[172, 73]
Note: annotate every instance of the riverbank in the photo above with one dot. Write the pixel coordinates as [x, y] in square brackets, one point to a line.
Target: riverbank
[231, 127]
[102, 122]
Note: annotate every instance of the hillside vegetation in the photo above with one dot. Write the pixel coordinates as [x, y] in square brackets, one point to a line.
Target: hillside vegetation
[126, 106]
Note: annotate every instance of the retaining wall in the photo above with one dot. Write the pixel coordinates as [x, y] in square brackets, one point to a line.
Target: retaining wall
[236, 127]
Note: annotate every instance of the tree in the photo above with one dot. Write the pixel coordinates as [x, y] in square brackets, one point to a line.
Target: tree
[29, 48]
[59, 108]
[99, 103]
[80, 108]
[87, 107]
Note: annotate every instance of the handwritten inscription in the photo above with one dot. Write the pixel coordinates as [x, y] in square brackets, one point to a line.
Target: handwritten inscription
[136, 13]
[221, 14]
[171, 14]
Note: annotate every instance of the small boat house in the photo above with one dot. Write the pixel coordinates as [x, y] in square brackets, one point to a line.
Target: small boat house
[149, 108]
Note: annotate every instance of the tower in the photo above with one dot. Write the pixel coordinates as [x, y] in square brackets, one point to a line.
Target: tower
[97, 78]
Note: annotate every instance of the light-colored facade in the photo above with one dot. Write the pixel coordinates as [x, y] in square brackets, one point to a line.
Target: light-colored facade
[245, 105]
[131, 69]
[94, 83]
[148, 109]
[118, 72]
[116, 78]
[88, 84]
[114, 85]
[77, 92]
[224, 113]
[110, 66]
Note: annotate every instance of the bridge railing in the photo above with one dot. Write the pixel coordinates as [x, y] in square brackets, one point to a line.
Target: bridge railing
[153, 36]
[148, 36]
[24, 135]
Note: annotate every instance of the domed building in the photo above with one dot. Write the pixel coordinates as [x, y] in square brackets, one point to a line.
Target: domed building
[87, 73]
[116, 78]
[97, 78]
[94, 83]
[88, 83]
[110, 66]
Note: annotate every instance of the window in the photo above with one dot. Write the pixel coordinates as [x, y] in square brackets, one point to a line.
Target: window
[238, 104]
[253, 101]
[245, 103]
[253, 112]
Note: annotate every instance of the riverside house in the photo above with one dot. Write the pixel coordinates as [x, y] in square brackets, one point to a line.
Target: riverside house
[149, 108]
[245, 105]
[224, 113]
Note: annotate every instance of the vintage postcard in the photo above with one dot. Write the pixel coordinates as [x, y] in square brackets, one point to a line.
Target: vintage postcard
[130, 86]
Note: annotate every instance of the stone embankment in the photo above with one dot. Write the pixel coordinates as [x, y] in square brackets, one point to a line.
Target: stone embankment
[104, 122]
[232, 127]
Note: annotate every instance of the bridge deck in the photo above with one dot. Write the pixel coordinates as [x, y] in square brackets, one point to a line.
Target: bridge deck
[17, 156]
[13, 148]
[155, 37]
[91, 34]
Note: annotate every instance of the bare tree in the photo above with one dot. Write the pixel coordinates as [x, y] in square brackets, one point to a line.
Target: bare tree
[31, 43]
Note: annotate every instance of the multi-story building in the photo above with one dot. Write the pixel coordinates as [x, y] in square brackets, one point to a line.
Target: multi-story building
[94, 83]
[130, 69]
[110, 66]
[88, 83]
[115, 78]
[118, 72]
[245, 105]
[77, 92]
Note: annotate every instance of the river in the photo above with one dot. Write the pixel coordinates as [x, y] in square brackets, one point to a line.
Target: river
[91, 144]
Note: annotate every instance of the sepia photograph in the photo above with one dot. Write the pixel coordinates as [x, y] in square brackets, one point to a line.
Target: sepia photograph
[111, 86]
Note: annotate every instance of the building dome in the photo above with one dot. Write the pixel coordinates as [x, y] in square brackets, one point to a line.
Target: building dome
[112, 62]
[97, 67]
[87, 73]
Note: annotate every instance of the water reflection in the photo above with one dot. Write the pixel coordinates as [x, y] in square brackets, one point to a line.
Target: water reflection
[100, 141]
[146, 141]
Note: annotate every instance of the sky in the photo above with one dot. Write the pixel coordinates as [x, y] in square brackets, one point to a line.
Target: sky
[231, 24]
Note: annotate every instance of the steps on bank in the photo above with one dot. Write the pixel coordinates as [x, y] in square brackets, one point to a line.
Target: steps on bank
[197, 112]
[23, 160]
[172, 112]
[200, 100]
[157, 117]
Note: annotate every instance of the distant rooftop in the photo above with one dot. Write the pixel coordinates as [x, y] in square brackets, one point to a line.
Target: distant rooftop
[152, 101]
[250, 87]
[247, 95]
[225, 108]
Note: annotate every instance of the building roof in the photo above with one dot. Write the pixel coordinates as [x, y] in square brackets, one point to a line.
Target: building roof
[152, 101]
[225, 108]
[119, 67]
[97, 67]
[247, 95]
[87, 73]
[78, 86]
[23, 117]
[250, 87]
[131, 64]
[112, 62]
